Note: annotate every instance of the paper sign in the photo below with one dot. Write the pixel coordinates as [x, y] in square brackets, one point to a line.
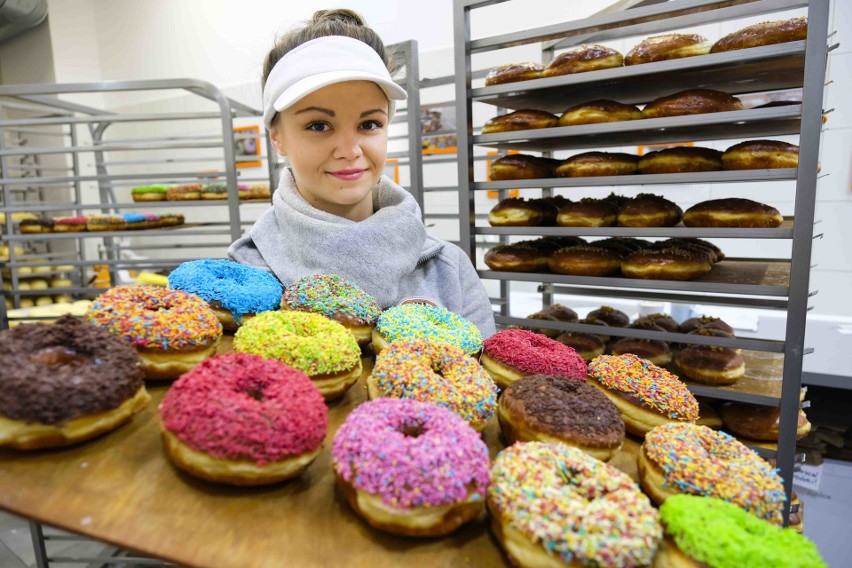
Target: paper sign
[808, 477]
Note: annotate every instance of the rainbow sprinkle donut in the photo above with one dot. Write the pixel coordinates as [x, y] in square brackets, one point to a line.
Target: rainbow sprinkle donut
[410, 467]
[172, 330]
[336, 298]
[429, 371]
[552, 501]
[233, 290]
[410, 321]
[319, 347]
[515, 353]
[687, 458]
[712, 532]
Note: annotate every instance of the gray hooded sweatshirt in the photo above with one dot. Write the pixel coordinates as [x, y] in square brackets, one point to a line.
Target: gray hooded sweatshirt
[389, 254]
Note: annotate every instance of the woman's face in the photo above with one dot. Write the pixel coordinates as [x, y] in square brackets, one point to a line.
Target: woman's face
[336, 141]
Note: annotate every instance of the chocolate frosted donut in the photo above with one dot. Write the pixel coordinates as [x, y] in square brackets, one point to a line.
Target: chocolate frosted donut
[521, 212]
[649, 210]
[587, 345]
[598, 164]
[666, 264]
[691, 101]
[667, 46]
[691, 324]
[583, 58]
[764, 33]
[717, 252]
[711, 364]
[601, 110]
[524, 119]
[548, 408]
[610, 316]
[732, 212]
[554, 312]
[656, 351]
[664, 321]
[760, 154]
[519, 257]
[585, 260]
[587, 212]
[65, 382]
[522, 166]
[512, 72]
[681, 159]
[761, 423]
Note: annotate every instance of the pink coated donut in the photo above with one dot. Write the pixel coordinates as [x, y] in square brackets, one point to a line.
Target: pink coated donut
[514, 353]
[243, 419]
[411, 467]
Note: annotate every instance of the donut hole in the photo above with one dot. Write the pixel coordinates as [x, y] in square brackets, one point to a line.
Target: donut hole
[57, 356]
[412, 430]
[256, 394]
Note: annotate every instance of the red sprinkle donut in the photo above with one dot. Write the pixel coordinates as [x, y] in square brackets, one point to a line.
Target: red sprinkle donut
[242, 419]
[514, 353]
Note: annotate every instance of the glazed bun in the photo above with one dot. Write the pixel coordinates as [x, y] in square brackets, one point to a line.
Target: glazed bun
[521, 212]
[524, 119]
[732, 212]
[587, 212]
[649, 210]
[667, 46]
[585, 260]
[583, 58]
[522, 166]
[764, 33]
[692, 101]
[598, 164]
[665, 264]
[512, 72]
[681, 159]
[760, 154]
[601, 110]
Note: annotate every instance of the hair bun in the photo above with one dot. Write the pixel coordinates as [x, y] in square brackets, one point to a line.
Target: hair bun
[339, 14]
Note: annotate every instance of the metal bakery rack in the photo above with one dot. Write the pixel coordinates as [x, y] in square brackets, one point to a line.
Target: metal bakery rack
[767, 283]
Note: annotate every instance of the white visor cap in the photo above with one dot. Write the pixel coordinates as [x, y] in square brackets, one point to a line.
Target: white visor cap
[321, 62]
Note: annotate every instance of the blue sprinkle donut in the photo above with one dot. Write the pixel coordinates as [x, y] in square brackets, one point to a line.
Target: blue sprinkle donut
[411, 321]
[233, 290]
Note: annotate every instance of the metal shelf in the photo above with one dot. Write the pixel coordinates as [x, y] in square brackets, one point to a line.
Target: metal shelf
[785, 231]
[185, 230]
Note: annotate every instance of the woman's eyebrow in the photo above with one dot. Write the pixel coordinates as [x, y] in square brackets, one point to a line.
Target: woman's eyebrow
[369, 112]
[319, 109]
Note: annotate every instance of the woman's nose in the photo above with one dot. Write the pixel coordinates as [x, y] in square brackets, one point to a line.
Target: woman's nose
[348, 146]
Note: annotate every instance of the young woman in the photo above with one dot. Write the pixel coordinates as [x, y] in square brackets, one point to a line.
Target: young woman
[328, 98]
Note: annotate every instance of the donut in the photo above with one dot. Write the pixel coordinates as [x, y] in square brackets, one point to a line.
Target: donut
[29, 226]
[214, 191]
[667, 46]
[707, 415]
[512, 72]
[732, 212]
[681, 159]
[105, 223]
[598, 164]
[601, 110]
[521, 166]
[233, 290]
[553, 505]
[711, 364]
[764, 33]
[609, 316]
[244, 191]
[649, 210]
[184, 192]
[73, 224]
[624, 245]
[154, 192]
[410, 321]
[548, 408]
[259, 190]
[521, 212]
[696, 460]
[242, 419]
[583, 58]
[703, 531]
[715, 251]
[429, 371]
[335, 298]
[761, 154]
[171, 330]
[585, 260]
[553, 312]
[587, 212]
[171, 219]
[646, 395]
[691, 324]
[524, 119]
[587, 345]
[701, 252]
[514, 353]
[410, 467]
[319, 347]
[666, 264]
[691, 101]
[552, 244]
[135, 221]
[519, 257]
[656, 351]
[664, 321]
[65, 382]
[756, 422]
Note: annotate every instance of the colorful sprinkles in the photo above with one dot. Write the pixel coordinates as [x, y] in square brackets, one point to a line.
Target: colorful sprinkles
[655, 387]
[573, 505]
[424, 370]
[533, 353]
[244, 407]
[701, 461]
[430, 322]
[311, 343]
[719, 534]
[153, 317]
[240, 289]
[411, 454]
[334, 297]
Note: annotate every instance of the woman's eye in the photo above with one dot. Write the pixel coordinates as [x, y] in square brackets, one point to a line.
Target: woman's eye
[317, 126]
[371, 125]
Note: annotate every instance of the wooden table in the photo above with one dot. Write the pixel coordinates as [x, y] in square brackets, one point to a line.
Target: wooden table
[121, 489]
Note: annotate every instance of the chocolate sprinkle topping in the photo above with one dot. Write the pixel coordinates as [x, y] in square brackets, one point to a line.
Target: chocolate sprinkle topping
[565, 408]
[57, 372]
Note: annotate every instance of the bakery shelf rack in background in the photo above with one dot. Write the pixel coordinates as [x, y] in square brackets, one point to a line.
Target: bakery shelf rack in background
[778, 283]
[63, 158]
